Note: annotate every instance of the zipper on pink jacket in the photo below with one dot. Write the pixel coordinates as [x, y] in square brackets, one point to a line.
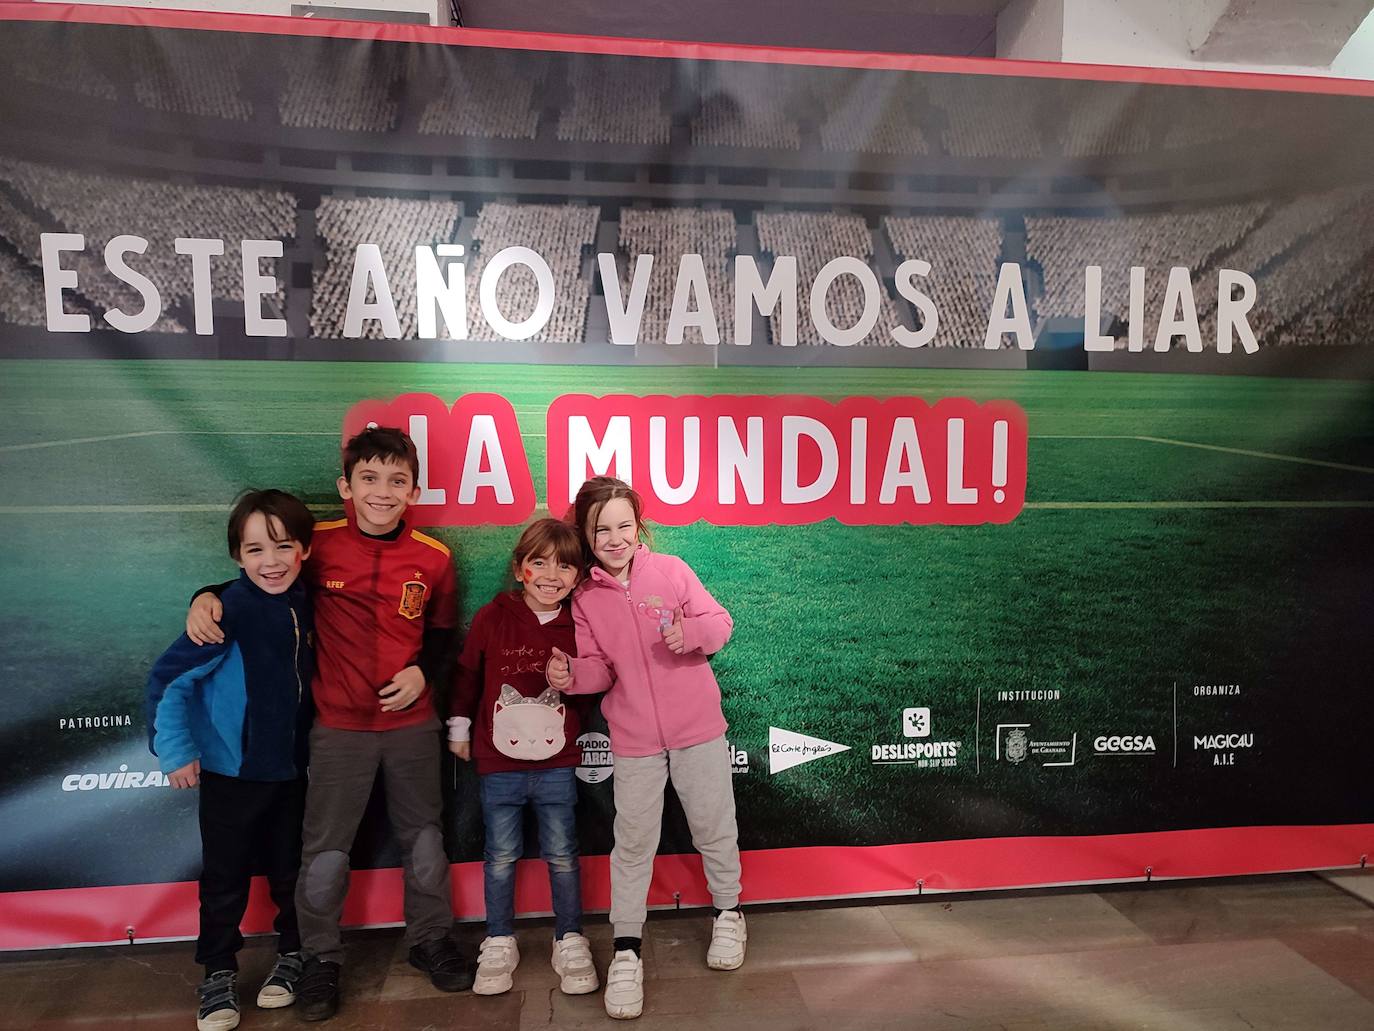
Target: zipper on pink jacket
[648, 678]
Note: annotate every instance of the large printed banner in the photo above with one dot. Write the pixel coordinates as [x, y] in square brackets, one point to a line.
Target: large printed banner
[1022, 417]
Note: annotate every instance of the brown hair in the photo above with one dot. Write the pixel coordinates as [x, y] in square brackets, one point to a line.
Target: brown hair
[548, 535]
[382, 442]
[296, 520]
[592, 497]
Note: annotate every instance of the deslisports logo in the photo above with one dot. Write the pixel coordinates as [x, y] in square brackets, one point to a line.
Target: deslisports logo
[917, 726]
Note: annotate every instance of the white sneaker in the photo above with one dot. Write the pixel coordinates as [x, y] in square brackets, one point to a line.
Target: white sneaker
[625, 986]
[728, 938]
[572, 962]
[497, 959]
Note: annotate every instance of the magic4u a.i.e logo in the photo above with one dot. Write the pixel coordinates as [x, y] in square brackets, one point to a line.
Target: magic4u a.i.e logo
[1223, 748]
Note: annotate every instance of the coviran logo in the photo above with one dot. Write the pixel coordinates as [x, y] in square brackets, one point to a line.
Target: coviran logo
[109, 781]
[1124, 744]
[598, 763]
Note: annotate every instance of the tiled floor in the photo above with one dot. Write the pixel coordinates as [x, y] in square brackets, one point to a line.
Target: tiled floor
[1289, 953]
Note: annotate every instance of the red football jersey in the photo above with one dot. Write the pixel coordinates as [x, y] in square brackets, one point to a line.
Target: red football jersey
[373, 601]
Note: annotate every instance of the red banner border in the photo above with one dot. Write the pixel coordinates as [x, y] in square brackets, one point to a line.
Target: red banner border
[629, 47]
[105, 915]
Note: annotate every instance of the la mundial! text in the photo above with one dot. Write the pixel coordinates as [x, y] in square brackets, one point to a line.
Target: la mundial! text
[440, 289]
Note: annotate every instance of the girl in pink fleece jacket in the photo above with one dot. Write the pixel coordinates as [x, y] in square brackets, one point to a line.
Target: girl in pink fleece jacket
[645, 629]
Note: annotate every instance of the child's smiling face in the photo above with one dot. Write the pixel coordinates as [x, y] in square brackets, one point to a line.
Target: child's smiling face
[272, 564]
[546, 581]
[614, 535]
[381, 491]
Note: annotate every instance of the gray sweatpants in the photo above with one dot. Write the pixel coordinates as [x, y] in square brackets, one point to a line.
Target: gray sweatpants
[343, 766]
[701, 777]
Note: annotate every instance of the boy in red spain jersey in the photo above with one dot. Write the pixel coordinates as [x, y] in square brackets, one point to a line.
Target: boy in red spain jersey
[385, 609]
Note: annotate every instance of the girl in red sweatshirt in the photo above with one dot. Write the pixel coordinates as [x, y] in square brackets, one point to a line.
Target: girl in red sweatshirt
[523, 737]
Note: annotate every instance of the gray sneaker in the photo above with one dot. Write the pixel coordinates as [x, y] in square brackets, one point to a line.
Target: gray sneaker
[219, 1002]
[279, 989]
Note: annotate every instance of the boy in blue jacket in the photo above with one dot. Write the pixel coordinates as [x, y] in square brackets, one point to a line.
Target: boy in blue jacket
[234, 718]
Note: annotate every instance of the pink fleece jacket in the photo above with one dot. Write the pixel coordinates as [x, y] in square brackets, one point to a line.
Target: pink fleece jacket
[655, 698]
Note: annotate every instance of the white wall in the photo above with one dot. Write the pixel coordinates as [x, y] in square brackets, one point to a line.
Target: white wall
[1356, 60]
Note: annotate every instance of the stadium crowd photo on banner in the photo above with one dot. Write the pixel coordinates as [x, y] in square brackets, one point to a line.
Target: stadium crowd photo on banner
[794, 517]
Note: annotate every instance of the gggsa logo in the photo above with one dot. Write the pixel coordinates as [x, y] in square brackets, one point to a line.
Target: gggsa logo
[1124, 744]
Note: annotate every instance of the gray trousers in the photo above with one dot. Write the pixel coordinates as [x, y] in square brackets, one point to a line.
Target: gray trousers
[343, 767]
[701, 777]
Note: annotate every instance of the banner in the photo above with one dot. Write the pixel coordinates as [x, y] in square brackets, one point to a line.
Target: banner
[1021, 416]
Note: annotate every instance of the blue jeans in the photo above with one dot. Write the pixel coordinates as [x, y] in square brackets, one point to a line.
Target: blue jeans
[553, 793]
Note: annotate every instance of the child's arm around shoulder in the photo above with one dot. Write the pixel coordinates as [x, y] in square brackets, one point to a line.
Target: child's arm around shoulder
[706, 626]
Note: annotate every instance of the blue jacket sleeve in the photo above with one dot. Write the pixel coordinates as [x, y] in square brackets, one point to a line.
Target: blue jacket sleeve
[171, 685]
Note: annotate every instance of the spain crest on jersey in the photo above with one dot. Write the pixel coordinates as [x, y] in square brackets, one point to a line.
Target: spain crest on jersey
[412, 599]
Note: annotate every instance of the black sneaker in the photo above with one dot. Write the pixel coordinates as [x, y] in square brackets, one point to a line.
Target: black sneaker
[280, 987]
[317, 992]
[219, 1002]
[444, 962]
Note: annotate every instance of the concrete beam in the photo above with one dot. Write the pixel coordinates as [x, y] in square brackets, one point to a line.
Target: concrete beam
[1282, 32]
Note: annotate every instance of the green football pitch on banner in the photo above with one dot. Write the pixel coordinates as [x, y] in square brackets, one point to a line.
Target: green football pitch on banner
[1178, 530]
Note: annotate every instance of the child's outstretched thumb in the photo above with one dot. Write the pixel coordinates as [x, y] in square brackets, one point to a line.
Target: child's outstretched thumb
[557, 653]
[677, 616]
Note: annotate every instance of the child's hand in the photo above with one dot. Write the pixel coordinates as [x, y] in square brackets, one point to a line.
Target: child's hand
[402, 690]
[558, 670]
[186, 777]
[462, 749]
[202, 622]
[673, 635]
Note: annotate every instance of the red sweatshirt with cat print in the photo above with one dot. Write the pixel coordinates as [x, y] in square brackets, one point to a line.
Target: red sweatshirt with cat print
[519, 723]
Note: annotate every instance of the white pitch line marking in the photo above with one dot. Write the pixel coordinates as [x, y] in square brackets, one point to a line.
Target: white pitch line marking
[1247, 452]
[167, 433]
[1261, 454]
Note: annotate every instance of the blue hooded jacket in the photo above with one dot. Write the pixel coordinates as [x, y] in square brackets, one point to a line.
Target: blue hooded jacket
[242, 707]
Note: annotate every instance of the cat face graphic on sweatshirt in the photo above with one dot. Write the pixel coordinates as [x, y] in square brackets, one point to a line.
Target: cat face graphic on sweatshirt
[528, 728]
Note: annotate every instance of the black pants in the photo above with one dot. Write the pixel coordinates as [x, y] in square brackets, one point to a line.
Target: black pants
[246, 826]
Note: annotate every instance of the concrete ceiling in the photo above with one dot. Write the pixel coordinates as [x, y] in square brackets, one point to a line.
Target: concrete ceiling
[950, 27]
